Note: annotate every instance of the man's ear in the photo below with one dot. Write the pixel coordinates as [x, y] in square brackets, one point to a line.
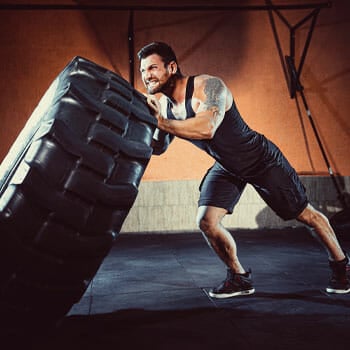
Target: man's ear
[172, 67]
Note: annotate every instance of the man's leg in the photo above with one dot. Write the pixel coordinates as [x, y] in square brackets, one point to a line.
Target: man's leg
[323, 231]
[283, 191]
[219, 193]
[238, 281]
[209, 221]
[339, 282]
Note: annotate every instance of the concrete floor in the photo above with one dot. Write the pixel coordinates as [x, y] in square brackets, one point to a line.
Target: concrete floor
[151, 293]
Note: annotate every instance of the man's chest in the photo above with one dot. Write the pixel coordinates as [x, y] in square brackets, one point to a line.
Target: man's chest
[178, 111]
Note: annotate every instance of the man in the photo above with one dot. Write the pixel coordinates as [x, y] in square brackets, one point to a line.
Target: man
[202, 110]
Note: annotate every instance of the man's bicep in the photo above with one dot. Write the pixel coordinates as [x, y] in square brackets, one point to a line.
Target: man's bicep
[213, 96]
[213, 101]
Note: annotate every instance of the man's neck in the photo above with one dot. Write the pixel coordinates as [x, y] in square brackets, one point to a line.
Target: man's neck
[176, 91]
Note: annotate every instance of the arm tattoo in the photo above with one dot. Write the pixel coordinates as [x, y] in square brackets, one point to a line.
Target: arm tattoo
[213, 90]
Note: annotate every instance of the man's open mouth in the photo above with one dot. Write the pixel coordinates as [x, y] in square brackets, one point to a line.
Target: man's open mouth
[152, 83]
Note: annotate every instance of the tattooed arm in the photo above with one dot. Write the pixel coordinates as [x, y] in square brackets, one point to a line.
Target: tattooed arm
[211, 99]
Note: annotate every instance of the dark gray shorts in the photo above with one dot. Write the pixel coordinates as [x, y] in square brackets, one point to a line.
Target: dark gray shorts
[279, 186]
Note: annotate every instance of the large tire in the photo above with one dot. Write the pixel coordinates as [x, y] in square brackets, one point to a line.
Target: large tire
[66, 186]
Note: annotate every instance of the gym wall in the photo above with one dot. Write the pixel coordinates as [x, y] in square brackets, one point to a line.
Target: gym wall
[237, 46]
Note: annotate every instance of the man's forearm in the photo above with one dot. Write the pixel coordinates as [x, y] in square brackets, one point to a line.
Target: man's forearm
[202, 126]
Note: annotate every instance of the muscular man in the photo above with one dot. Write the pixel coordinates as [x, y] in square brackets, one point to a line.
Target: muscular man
[202, 110]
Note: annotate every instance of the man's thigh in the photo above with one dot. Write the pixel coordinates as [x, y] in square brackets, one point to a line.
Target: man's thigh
[219, 188]
[281, 188]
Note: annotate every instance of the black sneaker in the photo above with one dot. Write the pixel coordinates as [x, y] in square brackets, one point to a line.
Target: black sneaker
[339, 282]
[235, 284]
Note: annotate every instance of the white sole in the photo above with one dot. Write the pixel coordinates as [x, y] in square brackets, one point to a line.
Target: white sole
[230, 295]
[338, 291]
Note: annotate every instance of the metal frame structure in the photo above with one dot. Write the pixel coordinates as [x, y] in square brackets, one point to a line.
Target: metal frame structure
[293, 78]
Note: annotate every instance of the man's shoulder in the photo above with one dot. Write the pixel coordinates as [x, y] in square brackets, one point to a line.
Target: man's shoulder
[205, 82]
[205, 77]
[202, 79]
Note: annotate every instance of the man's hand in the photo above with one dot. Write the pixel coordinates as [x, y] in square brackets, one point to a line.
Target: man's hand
[154, 104]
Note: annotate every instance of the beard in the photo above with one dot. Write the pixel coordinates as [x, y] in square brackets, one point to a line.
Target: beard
[163, 87]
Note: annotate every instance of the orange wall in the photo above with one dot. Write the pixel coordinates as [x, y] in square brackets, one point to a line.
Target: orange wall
[237, 46]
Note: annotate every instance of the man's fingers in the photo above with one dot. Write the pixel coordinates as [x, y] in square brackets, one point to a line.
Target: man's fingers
[151, 100]
[153, 103]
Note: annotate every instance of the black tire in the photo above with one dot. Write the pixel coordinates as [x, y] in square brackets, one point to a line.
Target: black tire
[66, 186]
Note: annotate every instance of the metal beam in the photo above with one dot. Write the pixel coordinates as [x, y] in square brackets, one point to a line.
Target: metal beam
[131, 39]
[87, 7]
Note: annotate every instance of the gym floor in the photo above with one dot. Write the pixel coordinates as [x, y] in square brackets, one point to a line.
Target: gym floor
[151, 293]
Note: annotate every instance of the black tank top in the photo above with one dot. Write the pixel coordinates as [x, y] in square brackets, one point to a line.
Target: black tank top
[237, 147]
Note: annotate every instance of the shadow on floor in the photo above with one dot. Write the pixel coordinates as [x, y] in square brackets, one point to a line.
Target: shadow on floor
[197, 328]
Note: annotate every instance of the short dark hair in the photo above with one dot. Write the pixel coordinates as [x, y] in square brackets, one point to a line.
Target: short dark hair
[162, 49]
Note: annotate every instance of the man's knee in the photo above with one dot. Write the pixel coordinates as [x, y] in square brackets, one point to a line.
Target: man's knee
[204, 222]
[202, 219]
[209, 218]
